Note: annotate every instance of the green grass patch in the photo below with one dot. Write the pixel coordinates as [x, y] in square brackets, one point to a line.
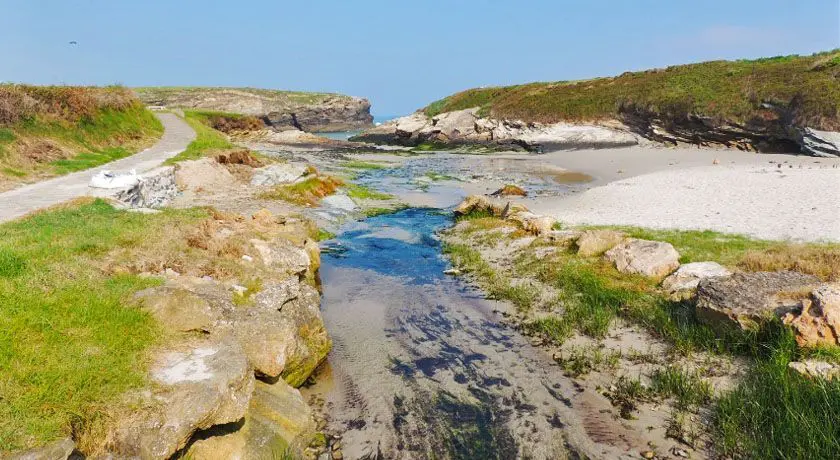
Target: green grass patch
[69, 348]
[207, 142]
[687, 388]
[732, 90]
[355, 164]
[365, 193]
[306, 193]
[13, 172]
[324, 235]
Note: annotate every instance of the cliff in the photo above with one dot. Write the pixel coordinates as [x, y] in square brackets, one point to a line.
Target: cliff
[782, 104]
[314, 112]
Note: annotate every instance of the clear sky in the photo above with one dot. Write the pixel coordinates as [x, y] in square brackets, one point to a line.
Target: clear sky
[400, 54]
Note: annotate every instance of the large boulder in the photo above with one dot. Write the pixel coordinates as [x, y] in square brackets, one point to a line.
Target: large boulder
[596, 242]
[57, 450]
[533, 223]
[155, 189]
[654, 259]
[819, 322]
[278, 420]
[178, 309]
[282, 256]
[199, 384]
[748, 300]
[281, 173]
[688, 276]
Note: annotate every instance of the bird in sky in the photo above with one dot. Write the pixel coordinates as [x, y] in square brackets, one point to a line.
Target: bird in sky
[74, 42]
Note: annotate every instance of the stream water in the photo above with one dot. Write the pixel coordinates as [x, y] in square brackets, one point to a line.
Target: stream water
[421, 366]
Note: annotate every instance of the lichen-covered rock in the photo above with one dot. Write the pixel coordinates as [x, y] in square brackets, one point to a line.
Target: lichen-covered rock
[178, 309]
[278, 420]
[596, 242]
[815, 369]
[688, 276]
[57, 450]
[748, 300]
[654, 259]
[199, 384]
[819, 321]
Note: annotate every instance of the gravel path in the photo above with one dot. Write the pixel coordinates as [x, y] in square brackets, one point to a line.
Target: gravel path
[18, 202]
[799, 203]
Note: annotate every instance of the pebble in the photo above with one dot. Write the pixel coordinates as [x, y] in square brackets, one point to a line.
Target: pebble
[452, 271]
[336, 446]
[536, 342]
[649, 454]
[677, 452]
[247, 258]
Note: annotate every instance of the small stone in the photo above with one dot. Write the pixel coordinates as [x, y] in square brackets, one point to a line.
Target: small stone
[648, 454]
[239, 289]
[337, 455]
[536, 342]
[247, 258]
[677, 452]
[716, 161]
[336, 446]
[452, 272]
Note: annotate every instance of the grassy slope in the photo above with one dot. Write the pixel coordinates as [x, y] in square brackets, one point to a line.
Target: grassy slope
[163, 93]
[207, 142]
[731, 90]
[69, 348]
[88, 126]
[773, 413]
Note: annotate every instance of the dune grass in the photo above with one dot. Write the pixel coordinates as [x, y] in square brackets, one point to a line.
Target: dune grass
[365, 193]
[69, 348]
[305, 193]
[734, 90]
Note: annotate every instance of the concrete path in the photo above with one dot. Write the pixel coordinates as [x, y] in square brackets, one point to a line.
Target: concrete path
[18, 202]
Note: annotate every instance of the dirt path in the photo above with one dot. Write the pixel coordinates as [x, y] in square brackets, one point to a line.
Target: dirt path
[18, 202]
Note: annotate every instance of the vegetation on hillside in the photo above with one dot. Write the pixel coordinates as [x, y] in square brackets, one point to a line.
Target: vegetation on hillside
[806, 87]
[51, 130]
[772, 413]
[160, 94]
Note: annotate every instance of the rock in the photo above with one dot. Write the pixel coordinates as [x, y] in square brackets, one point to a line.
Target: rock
[688, 276]
[339, 201]
[510, 190]
[283, 333]
[200, 384]
[278, 420]
[57, 450]
[279, 109]
[654, 259]
[563, 237]
[819, 322]
[747, 300]
[264, 218]
[155, 189]
[815, 369]
[177, 309]
[820, 143]
[596, 242]
[239, 157]
[203, 174]
[533, 223]
[452, 272]
[483, 203]
[280, 173]
[282, 256]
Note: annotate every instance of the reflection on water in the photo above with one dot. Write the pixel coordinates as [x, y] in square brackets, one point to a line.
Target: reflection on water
[421, 368]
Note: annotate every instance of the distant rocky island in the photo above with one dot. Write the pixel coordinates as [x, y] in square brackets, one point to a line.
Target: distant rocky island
[313, 112]
[788, 104]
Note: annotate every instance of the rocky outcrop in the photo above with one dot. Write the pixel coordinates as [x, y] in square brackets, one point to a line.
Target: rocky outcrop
[596, 242]
[58, 450]
[654, 259]
[514, 212]
[199, 384]
[818, 323]
[155, 189]
[748, 300]
[688, 276]
[820, 143]
[466, 127]
[316, 112]
[814, 369]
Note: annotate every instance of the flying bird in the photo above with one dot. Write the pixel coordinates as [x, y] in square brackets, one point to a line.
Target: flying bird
[74, 42]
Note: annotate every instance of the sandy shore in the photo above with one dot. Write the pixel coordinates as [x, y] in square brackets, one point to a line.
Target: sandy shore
[681, 188]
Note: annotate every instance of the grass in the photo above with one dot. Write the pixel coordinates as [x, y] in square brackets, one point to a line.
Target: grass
[355, 164]
[583, 360]
[772, 413]
[69, 349]
[306, 193]
[807, 86]
[208, 141]
[54, 130]
[365, 193]
[171, 95]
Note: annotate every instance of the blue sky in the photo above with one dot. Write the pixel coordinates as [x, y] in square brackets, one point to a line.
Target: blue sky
[399, 54]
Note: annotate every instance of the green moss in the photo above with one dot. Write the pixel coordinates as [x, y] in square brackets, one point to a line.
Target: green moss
[316, 344]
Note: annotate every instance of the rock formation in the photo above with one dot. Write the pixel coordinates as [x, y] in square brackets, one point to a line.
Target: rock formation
[282, 110]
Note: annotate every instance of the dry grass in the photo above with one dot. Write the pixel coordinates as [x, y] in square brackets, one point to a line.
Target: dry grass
[21, 103]
[821, 261]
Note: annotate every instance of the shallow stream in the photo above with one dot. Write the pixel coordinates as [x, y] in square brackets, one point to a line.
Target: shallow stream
[422, 367]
